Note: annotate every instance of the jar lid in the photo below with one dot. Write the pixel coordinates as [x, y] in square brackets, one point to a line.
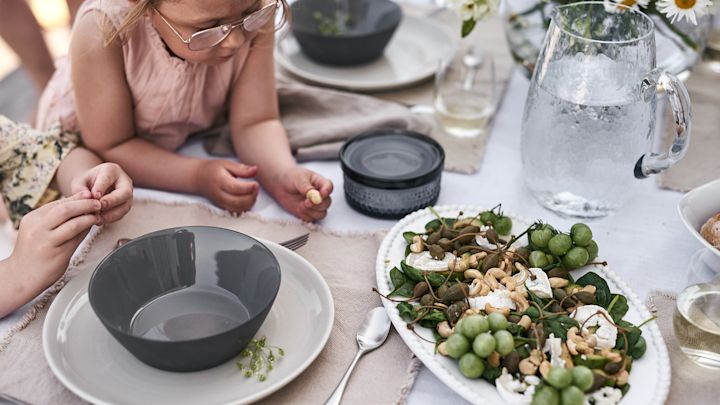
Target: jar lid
[392, 158]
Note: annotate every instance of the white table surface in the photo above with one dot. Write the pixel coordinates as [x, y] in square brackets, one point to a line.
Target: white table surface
[645, 242]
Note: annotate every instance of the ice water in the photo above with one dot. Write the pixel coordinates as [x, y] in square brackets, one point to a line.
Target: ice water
[463, 113]
[584, 129]
[697, 324]
[191, 313]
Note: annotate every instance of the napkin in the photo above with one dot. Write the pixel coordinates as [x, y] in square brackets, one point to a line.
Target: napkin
[318, 120]
[690, 384]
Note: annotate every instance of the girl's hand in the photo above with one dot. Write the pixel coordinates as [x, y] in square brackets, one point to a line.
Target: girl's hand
[218, 181]
[292, 193]
[109, 184]
[48, 237]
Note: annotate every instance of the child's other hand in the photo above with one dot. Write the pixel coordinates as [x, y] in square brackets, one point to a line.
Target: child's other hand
[49, 235]
[292, 193]
[111, 185]
[218, 181]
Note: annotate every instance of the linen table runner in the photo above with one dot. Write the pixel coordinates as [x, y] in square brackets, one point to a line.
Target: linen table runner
[346, 261]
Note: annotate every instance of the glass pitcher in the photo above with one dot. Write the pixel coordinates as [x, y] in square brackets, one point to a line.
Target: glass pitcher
[590, 113]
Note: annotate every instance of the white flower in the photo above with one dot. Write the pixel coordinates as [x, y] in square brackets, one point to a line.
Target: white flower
[676, 10]
[617, 4]
[476, 9]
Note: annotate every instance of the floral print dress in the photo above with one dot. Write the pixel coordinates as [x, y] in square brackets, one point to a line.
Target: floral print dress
[28, 161]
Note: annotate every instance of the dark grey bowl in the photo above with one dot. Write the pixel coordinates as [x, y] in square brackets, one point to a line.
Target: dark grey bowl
[371, 25]
[185, 299]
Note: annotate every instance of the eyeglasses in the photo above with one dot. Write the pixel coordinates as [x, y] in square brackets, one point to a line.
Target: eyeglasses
[211, 37]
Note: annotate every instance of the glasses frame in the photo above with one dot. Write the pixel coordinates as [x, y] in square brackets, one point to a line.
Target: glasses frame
[226, 29]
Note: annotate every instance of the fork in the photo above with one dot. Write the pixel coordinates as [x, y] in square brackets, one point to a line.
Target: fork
[296, 243]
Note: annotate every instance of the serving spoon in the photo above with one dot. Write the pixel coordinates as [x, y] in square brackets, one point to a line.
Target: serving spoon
[372, 334]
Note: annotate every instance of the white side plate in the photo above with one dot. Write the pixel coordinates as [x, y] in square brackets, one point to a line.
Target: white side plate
[650, 376]
[92, 364]
[696, 207]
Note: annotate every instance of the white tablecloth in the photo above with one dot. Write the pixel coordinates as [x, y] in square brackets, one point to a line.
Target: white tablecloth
[645, 242]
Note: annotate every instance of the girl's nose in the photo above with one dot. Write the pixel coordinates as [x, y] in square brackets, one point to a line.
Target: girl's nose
[235, 40]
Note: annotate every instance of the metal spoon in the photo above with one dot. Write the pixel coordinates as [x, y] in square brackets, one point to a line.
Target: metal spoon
[473, 60]
[372, 334]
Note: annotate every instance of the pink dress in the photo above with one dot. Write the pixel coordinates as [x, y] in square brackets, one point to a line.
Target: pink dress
[171, 98]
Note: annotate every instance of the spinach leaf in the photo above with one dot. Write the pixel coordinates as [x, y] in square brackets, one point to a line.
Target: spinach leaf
[407, 312]
[618, 307]
[411, 272]
[633, 336]
[559, 325]
[405, 290]
[397, 278]
[602, 291]
[535, 299]
[408, 236]
[435, 224]
[433, 318]
[491, 373]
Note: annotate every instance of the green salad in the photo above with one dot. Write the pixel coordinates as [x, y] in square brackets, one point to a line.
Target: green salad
[510, 311]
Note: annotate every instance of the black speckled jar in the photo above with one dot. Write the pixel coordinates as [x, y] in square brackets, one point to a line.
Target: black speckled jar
[389, 173]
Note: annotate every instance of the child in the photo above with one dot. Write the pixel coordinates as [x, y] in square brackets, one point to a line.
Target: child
[31, 164]
[144, 74]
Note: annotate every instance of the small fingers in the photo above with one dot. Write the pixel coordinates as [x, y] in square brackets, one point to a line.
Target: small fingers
[116, 213]
[239, 187]
[241, 170]
[235, 203]
[117, 197]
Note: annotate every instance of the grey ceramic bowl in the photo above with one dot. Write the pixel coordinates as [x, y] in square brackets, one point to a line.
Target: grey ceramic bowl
[361, 39]
[185, 299]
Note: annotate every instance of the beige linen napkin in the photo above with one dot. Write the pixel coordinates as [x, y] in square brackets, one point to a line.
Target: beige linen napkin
[701, 164]
[382, 376]
[690, 384]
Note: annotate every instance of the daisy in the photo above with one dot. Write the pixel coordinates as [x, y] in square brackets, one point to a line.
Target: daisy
[676, 10]
[635, 4]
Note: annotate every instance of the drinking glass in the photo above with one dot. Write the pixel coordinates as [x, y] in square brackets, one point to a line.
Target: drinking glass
[465, 95]
[590, 113]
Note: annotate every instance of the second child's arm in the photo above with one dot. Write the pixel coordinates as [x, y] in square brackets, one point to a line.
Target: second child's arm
[104, 110]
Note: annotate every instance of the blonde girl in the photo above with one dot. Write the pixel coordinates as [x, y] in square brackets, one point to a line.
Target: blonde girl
[143, 75]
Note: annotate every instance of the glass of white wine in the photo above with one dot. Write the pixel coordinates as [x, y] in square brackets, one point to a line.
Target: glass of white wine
[696, 321]
[465, 94]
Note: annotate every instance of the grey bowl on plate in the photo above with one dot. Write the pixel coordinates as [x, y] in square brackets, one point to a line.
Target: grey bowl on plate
[185, 299]
[327, 36]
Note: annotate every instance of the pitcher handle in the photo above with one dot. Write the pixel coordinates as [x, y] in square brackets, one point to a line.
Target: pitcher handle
[651, 162]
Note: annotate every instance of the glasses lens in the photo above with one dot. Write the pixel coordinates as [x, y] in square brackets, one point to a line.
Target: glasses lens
[258, 19]
[208, 38]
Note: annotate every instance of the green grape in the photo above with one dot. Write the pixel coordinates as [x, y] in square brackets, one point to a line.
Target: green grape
[471, 366]
[503, 225]
[484, 345]
[582, 377]
[581, 234]
[592, 249]
[546, 395]
[497, 321]
[473, 325]
[572, 395]
[504, 342]
[559, 377]
[550, 258]
[540, 237]
[457, 345]
[538, 259]
[560, 244]
[575, 257]
[488, 217]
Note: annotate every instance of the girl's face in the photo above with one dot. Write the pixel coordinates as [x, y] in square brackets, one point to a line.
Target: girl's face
[190, 16]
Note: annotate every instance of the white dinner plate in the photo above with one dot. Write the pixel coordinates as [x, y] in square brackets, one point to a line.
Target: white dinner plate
[92, 364]
[411, 56]
[650, 376]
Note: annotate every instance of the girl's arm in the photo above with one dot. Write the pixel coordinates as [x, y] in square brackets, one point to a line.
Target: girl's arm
[260, 139]
[104, 110]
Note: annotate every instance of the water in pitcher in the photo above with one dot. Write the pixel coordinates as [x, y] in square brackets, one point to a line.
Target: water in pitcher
[583, 135]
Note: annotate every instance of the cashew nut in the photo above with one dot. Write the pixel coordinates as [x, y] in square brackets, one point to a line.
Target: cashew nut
[572, 333]
[525, 322]
[492, 276]
[521, 302]
[520, 268]
[589, 288]
[494, 359]
[478, 288]
[442, 349]
[418, 244]
[614, 357]
[526, 367]
[489, 309]
[536, 357]
[459, 264]
[507, 266]
[472, 274]
[444, 329]
[509, 283]
[558, 282]
[475, 259]
[622, 378]
[545, 368]
[565, 355]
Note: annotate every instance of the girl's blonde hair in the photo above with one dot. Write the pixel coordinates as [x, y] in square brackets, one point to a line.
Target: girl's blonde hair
[122, 32]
